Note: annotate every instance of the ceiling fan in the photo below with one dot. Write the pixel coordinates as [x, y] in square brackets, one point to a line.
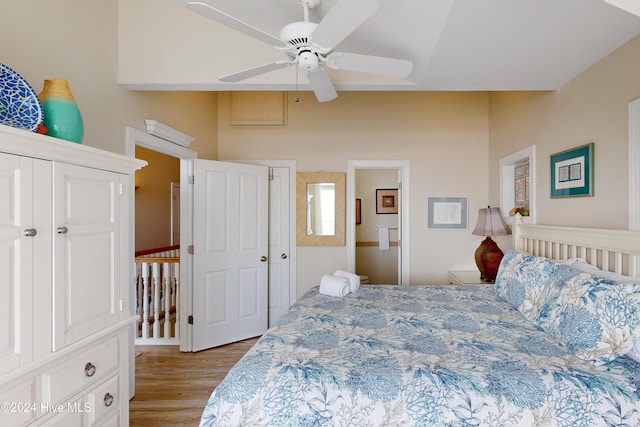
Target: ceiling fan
[310, 45]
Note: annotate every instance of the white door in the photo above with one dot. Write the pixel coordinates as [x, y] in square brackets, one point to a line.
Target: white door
[279, 251]
[230, 269]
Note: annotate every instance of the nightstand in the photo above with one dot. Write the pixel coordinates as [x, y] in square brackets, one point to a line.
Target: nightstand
[466, 277]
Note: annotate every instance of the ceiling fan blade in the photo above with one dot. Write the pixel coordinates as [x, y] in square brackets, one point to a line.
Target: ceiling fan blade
[321, 84]
[233, 23]
[343, 19]
[255, 71]
[370, 64]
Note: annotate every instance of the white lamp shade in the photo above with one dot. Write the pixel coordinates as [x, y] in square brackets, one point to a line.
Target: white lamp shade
[490, 223]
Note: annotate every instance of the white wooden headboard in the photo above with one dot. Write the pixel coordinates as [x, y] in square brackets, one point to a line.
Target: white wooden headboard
[610, 250]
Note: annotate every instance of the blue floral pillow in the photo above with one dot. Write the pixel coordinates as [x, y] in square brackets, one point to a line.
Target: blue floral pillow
[596, 319]
[521, 281]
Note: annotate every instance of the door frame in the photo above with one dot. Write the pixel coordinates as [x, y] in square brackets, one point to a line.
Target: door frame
[634, 164]
[403, 166]
[135, 137]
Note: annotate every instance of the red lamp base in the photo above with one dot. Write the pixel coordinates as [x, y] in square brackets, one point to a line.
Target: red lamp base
[488, 257]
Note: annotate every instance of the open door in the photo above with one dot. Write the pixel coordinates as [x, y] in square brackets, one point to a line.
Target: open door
[230, 246]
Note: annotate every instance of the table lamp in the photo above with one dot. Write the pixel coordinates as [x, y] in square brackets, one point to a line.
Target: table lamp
[488, 255]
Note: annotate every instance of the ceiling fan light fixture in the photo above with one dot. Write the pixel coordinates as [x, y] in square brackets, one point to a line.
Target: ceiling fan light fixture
[308, 60]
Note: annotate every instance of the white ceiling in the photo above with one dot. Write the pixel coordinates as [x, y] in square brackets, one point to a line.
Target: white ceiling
[459, 44]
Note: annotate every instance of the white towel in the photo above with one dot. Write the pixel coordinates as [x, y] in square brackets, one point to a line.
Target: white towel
[354, 279]
[383, 238]
[334, 286]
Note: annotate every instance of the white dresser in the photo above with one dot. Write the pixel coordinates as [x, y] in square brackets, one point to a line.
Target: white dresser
[65, 265]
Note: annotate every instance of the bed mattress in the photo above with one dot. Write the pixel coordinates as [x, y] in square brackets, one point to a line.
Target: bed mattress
[418, 356]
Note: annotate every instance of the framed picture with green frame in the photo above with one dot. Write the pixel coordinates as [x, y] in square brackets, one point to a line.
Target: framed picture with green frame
[572, 172]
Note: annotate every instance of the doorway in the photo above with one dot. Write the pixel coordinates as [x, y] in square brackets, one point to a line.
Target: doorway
[402, 168]
[175, 213]
[135, 137]
[286, 259]
[378, 253]
[157, 201]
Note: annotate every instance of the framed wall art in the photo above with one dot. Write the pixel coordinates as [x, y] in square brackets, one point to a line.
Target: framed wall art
[387, 201]
[447, 213]
[572, 172]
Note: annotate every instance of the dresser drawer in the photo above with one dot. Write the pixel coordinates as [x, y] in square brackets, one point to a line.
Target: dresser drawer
[20, 405]
[66, 415]
[83, 370]
[112, 421]
[104, 401]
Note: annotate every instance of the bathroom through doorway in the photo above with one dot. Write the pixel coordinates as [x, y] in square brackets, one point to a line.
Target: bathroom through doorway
[377, 220]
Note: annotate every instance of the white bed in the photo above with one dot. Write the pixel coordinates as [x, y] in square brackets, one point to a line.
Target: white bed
[445, 355]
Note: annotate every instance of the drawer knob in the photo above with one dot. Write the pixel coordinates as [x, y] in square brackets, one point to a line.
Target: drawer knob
[89, 369]
[108, 399]
[30, 232]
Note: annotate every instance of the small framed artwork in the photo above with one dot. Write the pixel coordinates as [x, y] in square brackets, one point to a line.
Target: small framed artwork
[572, 172]
[387, 201]
[358, 211]
[447, 213]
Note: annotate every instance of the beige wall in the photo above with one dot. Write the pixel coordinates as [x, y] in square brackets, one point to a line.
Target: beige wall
[593, 107]
[153, 199]
[78, 41]
[443, 134]
[454, 140]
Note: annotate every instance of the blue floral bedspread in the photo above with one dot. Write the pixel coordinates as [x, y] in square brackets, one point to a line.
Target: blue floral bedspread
[418, 356]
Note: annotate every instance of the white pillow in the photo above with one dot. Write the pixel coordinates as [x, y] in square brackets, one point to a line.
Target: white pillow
[634, 353]
[582, 265]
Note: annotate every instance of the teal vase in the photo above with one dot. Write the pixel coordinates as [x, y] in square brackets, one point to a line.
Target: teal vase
[62, 117]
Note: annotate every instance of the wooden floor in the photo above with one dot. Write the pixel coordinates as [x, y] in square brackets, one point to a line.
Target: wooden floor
[172, 387]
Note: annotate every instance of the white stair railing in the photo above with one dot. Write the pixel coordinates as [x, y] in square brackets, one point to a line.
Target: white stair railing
[158, 298]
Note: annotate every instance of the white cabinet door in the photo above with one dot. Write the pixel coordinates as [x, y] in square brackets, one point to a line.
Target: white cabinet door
[15, 258]
[86, 255]
[25, 252]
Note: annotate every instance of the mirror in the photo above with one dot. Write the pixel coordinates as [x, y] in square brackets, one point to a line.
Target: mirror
[320, 208]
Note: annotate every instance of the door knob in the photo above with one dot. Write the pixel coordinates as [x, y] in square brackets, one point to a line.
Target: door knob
[62, 230]
[263, 258]
[30, 232]
[283, 256]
